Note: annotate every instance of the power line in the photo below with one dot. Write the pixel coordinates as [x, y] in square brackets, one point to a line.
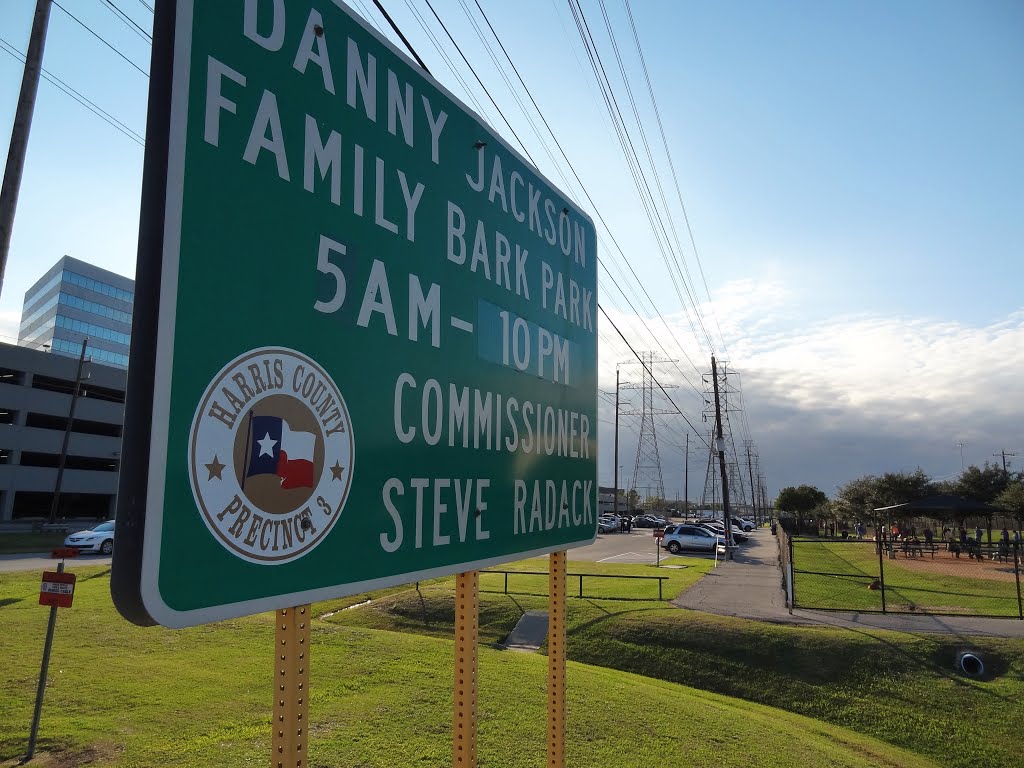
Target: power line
[128, 20]
[387, 17]
[459, 49]
[653, 378]
[421, 20]
[101, 39]
[594, 206]
[81, 99]
[672, 169]
[481, 82]
[677, 258]
[633, 162]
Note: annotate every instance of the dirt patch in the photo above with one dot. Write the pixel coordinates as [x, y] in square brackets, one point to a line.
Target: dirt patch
[70, 758]
[965, 567]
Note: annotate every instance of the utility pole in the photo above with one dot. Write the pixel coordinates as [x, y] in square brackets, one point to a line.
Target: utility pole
[750, 471]
[686, 479]
[20, 130]
[726, 519]
[616, 441]
[1004, 454]
[55, 504]
[961, 444]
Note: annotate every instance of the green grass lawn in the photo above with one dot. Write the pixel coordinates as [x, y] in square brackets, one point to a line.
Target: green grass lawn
[121, 695]
[18, 543]
[852, 566]
[899, 688]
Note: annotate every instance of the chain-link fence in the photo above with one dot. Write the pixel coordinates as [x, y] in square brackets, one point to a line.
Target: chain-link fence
[938, 578]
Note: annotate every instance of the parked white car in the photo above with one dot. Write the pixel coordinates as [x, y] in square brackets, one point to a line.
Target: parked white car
[97, 539]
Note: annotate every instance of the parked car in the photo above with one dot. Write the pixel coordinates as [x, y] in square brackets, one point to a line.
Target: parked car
[680, 537]
[99, 538]
[743, 524]
[608, 525]
[647, 521]
[737, 535]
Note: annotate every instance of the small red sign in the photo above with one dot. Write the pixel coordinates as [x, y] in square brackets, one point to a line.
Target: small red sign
[61, 553]
[57, 589]
[659, 533]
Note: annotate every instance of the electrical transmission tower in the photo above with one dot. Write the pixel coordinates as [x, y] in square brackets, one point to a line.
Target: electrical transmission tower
[647, 477]
[736, 468]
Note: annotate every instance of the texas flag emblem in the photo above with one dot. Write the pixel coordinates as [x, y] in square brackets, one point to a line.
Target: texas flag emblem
[279, 450]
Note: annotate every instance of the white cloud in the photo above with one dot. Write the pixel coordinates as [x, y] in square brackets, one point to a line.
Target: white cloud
[832, 400]
[10, 320]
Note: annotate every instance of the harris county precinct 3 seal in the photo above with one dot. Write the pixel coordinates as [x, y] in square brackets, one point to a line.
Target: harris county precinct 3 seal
[271, 455]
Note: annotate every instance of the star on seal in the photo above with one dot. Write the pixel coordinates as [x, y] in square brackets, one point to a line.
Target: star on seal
[215, 468]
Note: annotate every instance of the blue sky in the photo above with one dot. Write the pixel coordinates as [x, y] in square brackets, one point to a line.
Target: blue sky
[852, 172]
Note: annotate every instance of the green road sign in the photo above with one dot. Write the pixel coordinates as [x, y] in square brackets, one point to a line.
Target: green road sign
[364, 350]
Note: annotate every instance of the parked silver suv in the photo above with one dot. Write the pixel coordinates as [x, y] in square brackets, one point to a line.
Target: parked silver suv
[680, 537]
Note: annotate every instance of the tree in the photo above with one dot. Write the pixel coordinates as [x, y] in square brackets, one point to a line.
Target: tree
[858, 497]
[1012, 500]
[632, 499]
[801, 501]
[654, 502]
[982, 484]
[902, 487]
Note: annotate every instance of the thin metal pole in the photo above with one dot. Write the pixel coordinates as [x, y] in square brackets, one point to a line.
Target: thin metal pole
[750, 471]
[467, 623]
[616, 441]
[881, 570]
[556, 659]
[289, 743]
[21, 129]
[791, 596]
[55, 502]
[1016, 576]
[41, 690]
[686, 479]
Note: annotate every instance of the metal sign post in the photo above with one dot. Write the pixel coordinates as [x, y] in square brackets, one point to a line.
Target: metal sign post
[467, 625]
[556, 659]
[291, 687]
[57, 590]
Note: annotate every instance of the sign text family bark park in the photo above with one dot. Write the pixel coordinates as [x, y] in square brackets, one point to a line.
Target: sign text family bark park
[364, 350]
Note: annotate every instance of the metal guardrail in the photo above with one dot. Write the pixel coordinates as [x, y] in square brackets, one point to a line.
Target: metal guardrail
[581, 576]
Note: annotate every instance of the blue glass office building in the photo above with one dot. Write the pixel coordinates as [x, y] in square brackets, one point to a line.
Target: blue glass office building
[74, 301]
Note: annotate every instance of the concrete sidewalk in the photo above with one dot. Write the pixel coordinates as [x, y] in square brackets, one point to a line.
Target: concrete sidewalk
[530, 632]
[750, 587]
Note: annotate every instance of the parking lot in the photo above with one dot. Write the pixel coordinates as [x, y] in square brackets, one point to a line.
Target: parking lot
[637, 546]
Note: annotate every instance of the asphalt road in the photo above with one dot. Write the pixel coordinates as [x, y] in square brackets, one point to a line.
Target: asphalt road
[38, 561]
[637, 546]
